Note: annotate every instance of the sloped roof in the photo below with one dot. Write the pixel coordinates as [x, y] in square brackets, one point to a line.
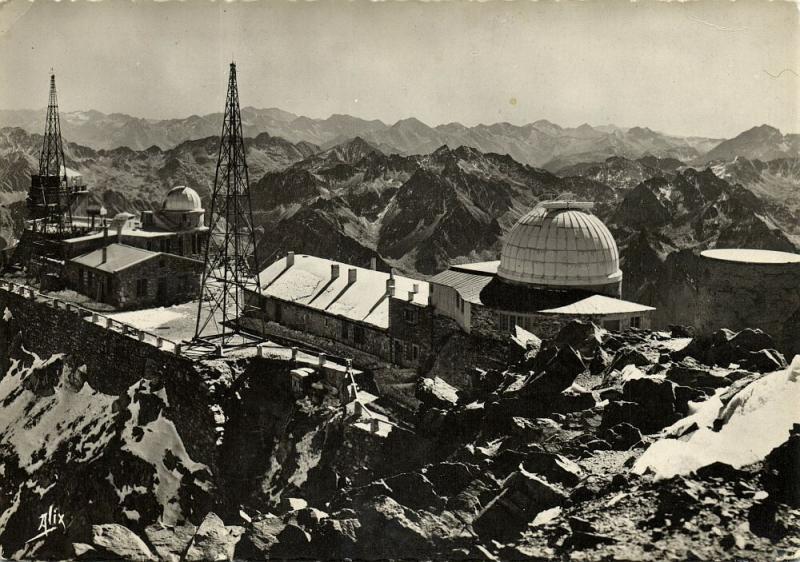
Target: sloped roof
[308, 282]
[468, 285]
[599, 305]
[486, 267]
[118, 257]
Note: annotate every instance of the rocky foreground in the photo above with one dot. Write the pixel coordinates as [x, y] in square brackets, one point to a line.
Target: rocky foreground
[596, 445]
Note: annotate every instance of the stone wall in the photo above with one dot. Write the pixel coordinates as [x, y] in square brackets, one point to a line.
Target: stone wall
[739, 295]
[169, 279]
[113, 362]
[411, 327]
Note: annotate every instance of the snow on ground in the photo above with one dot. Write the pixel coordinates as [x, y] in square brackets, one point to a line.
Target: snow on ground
[29, 420]
[757, 419]
[176, 323]
[160, 437]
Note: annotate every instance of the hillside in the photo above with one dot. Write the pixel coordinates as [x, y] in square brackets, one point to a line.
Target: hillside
[568, 451]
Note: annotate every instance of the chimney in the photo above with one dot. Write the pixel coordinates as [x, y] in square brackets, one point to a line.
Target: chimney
[290, 259]
[351, 275]
[390, 287]
[373, 263]
[415, 288]
[334, 271]
[119, 233]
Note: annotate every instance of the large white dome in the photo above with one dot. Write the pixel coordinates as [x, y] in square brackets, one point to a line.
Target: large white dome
[183, 199]
[560, 245]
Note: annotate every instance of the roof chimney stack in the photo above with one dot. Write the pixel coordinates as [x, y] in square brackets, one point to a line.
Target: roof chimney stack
[351, 275]
[373, 263]
[119, 233]
[290, 259]
[390, 287]
[334, 271]
[105, 244]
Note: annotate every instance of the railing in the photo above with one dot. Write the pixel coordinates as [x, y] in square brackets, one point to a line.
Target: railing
[93, 317]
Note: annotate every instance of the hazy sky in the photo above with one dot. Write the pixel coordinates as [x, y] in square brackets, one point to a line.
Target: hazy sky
[686, 68]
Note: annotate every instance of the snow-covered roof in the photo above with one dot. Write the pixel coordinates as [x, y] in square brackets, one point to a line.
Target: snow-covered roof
[468, 285]
[745, 255]
[308, 281]
[599, 305]
[117, 257]
[488, 267]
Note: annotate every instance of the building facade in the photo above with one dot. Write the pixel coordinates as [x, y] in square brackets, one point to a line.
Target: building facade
[559, 263]
[343, 307]
[127, 277]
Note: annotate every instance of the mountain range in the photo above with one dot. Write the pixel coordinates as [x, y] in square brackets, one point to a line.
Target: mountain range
[420, 213]
[540, 143]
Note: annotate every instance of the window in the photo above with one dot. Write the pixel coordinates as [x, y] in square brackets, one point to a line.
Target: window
[407, 351]
[141, 287]
[636, 321]
[358, 334]
[398, 350]
[411, 315]
[612, 325]
[345, 330]
[415, 352]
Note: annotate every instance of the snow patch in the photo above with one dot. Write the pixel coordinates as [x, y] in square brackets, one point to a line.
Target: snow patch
[756, 420]
[7, 315]
[158, 438]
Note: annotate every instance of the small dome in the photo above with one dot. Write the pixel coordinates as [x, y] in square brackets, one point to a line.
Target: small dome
[182, 198]
[559, 244]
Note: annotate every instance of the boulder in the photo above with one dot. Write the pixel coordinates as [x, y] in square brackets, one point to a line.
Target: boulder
[628, 356]
[259, 539]
[763, 361]
[573, 399]
[622, 436]
[293, 542]
[554, 467]
[559, 373]
[118, 541]
[450, 478]
[414, 490]
[600, 361]
[781, 470]
[170, 543]
[686, 394]
[533, 429]
[436, 393]
[522, 496]
[689, 372]
[656, 401]
[678, 331]
[388, 528]
[336, 538]
[213, 540]
[584, 337]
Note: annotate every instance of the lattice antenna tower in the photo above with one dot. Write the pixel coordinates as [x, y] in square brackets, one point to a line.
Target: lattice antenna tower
[50, 198]
[231, 263]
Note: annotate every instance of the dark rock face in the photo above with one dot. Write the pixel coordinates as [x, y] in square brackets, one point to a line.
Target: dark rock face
[522, 496]
[781, 468]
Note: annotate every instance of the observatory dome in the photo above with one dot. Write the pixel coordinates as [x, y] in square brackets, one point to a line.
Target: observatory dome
[182, 199]
[558, 244]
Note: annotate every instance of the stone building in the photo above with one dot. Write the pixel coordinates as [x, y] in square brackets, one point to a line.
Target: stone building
[745, 288]
[559, 263]
[342, 307]
[127, 277]
[177, 228]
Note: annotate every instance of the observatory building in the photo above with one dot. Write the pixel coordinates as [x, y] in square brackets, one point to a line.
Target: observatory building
[559, 263]
[742, 288]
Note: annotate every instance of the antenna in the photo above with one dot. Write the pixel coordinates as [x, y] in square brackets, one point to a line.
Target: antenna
[231, 263]
[50, 196]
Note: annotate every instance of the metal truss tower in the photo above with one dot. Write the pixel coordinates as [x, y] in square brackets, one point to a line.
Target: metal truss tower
[231, 264]
[50, 195]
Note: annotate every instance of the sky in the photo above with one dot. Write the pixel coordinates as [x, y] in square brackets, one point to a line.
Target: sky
[703, 68]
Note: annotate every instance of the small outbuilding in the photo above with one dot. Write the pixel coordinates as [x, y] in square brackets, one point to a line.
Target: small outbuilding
[128, 277]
